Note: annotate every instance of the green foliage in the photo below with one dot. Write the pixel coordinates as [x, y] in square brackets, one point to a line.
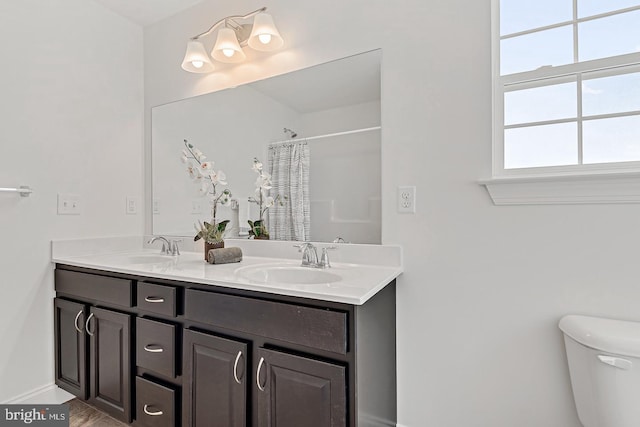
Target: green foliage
[257, 229]
[211, 233]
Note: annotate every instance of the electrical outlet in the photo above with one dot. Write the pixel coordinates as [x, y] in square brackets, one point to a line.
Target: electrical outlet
[407, 199]
[132, 206]
[68, 204]
[156, 206]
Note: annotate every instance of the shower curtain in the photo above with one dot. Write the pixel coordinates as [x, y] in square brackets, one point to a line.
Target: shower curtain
[289, 168]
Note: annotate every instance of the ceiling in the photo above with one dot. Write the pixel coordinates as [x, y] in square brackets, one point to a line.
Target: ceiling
[147, 12]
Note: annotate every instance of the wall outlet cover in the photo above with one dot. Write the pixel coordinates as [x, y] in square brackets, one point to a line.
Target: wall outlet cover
[407, 199]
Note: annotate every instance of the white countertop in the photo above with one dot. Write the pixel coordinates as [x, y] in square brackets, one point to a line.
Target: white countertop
[358, 282]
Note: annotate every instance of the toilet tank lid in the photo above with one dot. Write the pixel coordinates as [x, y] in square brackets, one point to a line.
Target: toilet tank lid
[613, 336]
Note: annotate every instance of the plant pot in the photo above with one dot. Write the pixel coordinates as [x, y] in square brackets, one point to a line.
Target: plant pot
[263, 237]
[207, 246]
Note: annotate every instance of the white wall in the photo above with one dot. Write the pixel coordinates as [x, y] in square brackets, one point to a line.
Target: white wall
[484, 286]
[72, 114]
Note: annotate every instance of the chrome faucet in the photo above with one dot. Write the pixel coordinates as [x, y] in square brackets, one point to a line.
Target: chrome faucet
[169, 247]
[310, 255]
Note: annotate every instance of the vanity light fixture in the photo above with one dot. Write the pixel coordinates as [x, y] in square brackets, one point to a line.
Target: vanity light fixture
[262, 35]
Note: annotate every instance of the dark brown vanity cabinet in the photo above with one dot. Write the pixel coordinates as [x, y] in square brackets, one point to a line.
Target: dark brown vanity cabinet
[215, 381]
[159, 353]
[92, 344]
[71, 347]
[298, 391]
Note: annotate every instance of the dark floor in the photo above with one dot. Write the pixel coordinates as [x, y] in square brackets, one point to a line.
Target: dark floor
[81, 414]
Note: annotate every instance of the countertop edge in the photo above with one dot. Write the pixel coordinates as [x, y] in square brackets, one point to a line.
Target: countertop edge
[391, 273]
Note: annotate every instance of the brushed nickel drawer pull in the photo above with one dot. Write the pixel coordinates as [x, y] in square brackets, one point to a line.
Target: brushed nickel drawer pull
[154, 299]
[86, 325]
[153, 414]
[258, 374]
[153, 350]
[235, 367]
[75, 322]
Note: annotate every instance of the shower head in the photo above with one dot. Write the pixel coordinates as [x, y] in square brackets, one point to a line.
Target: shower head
[291, 133]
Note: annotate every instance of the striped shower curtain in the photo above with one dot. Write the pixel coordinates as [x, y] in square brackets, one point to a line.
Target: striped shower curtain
[289, 168]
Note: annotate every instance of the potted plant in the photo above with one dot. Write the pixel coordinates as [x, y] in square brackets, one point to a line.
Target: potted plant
[202, 172]
[258, 228]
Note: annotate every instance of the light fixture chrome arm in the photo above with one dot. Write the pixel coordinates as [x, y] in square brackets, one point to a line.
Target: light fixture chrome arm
[223, 20]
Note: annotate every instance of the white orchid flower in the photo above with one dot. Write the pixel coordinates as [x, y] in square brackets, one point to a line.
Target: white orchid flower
[218, 177]
[198, 155]
[269, 201]
[193, 172]
[205, 167]
[257, 166]
[263, 182]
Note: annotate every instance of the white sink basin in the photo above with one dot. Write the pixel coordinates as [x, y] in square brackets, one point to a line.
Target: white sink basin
[287, 274]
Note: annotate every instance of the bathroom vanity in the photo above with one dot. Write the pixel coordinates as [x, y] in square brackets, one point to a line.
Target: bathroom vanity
[175, 341]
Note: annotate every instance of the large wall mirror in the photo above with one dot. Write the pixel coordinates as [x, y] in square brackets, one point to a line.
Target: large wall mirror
[332, 115]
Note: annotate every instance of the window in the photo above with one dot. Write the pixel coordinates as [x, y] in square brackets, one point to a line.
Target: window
[567, 86]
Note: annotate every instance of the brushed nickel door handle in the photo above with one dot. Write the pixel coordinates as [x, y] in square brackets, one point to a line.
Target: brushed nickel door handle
[261, 388]
[86, 325]
[153, 414]
[235, 367]
[75, 321]
[150, 349]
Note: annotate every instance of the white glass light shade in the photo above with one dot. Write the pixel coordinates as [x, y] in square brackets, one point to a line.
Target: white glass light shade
[227, 48]
[196, 59]
[264, 34]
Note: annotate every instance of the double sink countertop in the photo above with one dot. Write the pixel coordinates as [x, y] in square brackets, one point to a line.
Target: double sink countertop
[357, 271]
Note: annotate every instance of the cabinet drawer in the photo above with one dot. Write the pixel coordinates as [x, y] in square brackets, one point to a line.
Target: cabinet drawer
[155, 404]
[91, 286]
[157, 298]
[307, 326]
[156, 346]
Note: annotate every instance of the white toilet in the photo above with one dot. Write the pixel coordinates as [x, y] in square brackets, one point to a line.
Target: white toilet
[604, 364]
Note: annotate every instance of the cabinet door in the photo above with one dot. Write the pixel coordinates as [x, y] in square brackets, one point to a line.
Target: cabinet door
[214, 381]
[294, 391]
[70, 347]
[110, 362]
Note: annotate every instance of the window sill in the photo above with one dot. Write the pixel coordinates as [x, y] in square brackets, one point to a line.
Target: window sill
[619, 187]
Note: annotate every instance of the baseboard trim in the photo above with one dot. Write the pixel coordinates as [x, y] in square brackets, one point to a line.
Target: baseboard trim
[48, 394]
[373, 421]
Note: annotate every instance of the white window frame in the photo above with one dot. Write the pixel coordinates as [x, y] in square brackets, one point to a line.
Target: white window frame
[617, 182]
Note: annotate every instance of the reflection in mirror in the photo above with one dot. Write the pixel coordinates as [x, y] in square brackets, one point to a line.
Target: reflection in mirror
[317, 133]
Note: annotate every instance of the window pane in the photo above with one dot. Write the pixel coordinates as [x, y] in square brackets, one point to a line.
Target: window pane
[521, 15]
[594, 7]
[614, 35]
[611, 140]
[541, 103]
[616, 94]
[531, 51]
[548, 145]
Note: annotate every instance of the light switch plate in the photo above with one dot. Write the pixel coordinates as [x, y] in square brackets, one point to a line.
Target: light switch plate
[68, 204]
[132, 206]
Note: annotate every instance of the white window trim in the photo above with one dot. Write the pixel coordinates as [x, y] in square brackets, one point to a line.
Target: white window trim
[590, 184]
